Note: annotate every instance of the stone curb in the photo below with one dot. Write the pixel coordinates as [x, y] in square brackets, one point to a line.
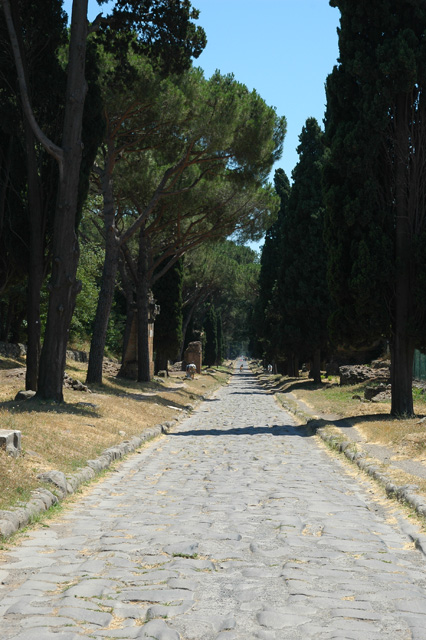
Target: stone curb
[63, 485]
[403, 493]
[42, 499]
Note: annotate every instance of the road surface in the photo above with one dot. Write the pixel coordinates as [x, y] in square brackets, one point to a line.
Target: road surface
[236, 526]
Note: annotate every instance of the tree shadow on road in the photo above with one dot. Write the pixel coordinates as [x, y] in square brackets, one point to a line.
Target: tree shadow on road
[275, 430]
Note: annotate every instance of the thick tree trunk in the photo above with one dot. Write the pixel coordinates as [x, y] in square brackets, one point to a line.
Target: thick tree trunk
[64, 287]
[130, 305]
[293, 371]
[106, 293]
[402, 348]
[6, 316]
[161, 362]
[35, 281]
[36, 270]
[37, 232]
[144, 374]
[315, 371]
[402, 353]
[5, 166]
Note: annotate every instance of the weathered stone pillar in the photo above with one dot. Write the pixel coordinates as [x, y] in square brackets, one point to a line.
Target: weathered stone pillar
[129, 367]
[193, 354]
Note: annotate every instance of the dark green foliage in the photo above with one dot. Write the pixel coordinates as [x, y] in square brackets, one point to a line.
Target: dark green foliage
[44, 33]
[375, 181]
[225, 274]
[263, 316]
[162, 30]
[168, 324]
[210, 329]
[301, 293]
[93, 124]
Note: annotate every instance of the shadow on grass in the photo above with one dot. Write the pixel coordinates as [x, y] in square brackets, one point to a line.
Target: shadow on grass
[41, 406]
[142, 392]
[350, 421]
[8, 363]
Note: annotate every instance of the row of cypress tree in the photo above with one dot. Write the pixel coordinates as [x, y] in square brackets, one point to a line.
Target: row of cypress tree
[292, 309]
[352, 233]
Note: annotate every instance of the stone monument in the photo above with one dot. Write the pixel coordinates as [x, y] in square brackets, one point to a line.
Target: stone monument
[193, 354]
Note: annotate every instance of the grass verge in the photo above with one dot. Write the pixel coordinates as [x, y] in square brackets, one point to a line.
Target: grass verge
[64, 436]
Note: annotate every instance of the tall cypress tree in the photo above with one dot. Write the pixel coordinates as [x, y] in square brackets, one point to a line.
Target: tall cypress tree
[265, 315]
[301, 292]
[375, 182]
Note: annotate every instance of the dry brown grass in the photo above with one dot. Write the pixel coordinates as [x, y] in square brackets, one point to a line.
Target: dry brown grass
[407, 437]
[65, 436]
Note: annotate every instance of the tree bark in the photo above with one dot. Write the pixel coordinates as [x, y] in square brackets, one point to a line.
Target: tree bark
[315, 371]
[36, 271]
[106, 293]
[130, 305]
[142, 301]
[161, 362]
[64, 286]
[36, 223]
[402, 347]
[293, 366]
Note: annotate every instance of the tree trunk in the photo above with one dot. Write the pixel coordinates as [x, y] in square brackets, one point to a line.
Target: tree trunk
[130, 306]
[7, 315]
[161, 362]
[294, 366]
[5, 165]
[188, 318]
[106, 293]
[315, 371]
[64, 286]
[37, 233]
[144, 374]
[36, 270]
[402, 348]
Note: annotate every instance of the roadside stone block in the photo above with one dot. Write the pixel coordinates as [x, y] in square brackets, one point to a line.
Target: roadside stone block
[10, 440]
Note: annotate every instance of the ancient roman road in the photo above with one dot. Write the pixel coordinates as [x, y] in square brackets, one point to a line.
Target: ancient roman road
[236, 526]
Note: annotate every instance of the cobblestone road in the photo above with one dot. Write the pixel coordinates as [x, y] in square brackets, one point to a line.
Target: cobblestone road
[233, 527]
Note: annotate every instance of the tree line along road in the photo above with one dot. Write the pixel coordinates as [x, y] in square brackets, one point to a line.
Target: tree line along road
[235, 526]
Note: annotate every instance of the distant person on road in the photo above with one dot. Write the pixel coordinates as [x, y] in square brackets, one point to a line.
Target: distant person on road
[241, 368]
[269, 368]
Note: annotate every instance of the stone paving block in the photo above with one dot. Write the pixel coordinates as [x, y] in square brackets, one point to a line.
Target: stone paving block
[158, 630]
[24, 606]
[46, 634]
[129, 633]
[90, 588]
[168, 611]
[277, 620]
[86, 615]
[155, 595]
[31, 622]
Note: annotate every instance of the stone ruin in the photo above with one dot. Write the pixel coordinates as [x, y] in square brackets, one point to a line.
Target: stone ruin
[357, 373]
[193, 354]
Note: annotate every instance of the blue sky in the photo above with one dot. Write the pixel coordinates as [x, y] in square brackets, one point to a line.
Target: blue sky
[282, 48]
